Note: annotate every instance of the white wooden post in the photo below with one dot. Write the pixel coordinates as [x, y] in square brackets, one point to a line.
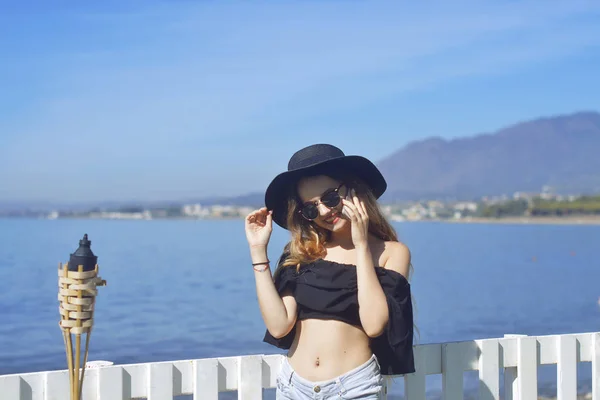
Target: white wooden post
[596, 366]
[414, 384]
[452, 372]
[56, 383]
[206, 379]
[160, 381]
[250, 378]
[511, 383]
[566, 368]
[110, 383]
[527, 365]
[10, 386]
[489, 371]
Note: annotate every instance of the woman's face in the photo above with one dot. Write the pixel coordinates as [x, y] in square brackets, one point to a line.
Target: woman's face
[311, 189]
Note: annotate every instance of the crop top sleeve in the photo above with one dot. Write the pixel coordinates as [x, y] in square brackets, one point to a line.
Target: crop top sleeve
[394, 347]
[284, 279]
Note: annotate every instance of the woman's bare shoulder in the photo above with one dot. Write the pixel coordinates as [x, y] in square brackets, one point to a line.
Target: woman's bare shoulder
[397, 257]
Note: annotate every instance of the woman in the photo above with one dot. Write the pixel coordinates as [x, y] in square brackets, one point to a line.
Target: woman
[339, 299]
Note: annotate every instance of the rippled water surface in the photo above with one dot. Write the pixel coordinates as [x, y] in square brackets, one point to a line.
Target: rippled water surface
[185, 289]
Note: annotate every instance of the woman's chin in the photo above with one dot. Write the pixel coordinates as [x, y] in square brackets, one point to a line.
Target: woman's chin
[337, 225]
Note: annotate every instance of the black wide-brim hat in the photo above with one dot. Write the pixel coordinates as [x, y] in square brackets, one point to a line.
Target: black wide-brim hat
[318, 159]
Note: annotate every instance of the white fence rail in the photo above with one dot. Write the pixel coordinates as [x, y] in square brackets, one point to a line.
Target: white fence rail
[518, 356]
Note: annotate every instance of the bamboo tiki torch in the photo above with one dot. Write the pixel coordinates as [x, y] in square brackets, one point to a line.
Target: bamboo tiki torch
[77, 282]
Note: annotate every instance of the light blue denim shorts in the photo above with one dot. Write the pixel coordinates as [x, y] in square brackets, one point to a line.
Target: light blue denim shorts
[363, 382]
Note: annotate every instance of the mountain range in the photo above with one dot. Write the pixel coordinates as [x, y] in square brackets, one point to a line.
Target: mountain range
[561, 152]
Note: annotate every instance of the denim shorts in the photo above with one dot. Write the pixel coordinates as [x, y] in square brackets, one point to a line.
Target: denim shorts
[363, 382]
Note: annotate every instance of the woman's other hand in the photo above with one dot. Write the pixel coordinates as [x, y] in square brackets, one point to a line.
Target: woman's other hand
[259, 225]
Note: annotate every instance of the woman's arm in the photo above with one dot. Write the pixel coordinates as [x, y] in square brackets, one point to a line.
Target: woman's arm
[373, 308]
[278, 312]
[372, 302]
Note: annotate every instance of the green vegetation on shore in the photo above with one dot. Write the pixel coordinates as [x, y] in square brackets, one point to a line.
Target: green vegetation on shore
[539, 207]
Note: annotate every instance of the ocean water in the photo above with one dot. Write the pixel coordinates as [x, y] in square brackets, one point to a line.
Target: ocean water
[185, 289]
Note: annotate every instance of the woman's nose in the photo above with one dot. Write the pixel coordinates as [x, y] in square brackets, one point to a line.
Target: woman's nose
[323, 209]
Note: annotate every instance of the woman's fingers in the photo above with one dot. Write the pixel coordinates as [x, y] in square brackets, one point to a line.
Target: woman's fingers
[348, 204]
[359, 205]
[364, 210]
[260, 217]
[270, 218]
[355, 201]
[351, 206]
[354, 215]
[350, 213]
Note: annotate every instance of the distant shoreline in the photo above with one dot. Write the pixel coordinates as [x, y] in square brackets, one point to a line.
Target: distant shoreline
[572, 220]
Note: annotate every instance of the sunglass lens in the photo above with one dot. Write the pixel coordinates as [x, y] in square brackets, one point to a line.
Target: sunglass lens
[310, 211]
[331, 199]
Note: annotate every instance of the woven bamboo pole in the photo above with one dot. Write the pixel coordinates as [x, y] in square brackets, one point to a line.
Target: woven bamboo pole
[77, 291]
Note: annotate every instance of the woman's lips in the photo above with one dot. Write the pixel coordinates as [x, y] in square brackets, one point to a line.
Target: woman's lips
[334, 219]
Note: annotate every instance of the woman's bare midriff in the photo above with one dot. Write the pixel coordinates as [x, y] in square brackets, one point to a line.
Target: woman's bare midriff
[325, 349]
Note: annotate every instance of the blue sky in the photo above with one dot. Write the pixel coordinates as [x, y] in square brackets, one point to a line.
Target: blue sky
[177, 99]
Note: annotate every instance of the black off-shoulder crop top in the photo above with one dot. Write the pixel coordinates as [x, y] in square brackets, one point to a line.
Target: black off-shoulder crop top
[328, 290]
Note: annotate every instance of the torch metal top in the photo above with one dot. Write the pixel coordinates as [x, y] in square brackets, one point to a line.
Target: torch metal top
[83, 256]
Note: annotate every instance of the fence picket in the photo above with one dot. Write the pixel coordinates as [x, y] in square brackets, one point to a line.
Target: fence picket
[250, 378]
[527, 367]
[10, 386]
[56, 383]
[452, 372]
[414, 384]
[566, 370]
[489, 370]
[160, 381]
[596, 366]
[511, 383]
[271, 366]
[110, 383]
[206, 379]
[135, 378]
[32, 386]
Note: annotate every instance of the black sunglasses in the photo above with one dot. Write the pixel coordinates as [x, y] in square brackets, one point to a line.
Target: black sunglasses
[331, 198]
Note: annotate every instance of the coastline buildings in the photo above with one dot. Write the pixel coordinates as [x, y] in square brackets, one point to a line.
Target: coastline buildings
[518, 204]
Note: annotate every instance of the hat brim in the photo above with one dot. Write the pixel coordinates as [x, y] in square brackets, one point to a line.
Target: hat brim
[361, 167]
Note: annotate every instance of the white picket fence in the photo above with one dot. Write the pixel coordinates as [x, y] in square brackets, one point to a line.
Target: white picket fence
[518, 356]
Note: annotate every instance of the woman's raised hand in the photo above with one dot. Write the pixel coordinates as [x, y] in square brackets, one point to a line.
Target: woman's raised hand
[356, 212]
[259, 225]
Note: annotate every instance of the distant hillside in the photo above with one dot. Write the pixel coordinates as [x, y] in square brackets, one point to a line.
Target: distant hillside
[562, 152]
